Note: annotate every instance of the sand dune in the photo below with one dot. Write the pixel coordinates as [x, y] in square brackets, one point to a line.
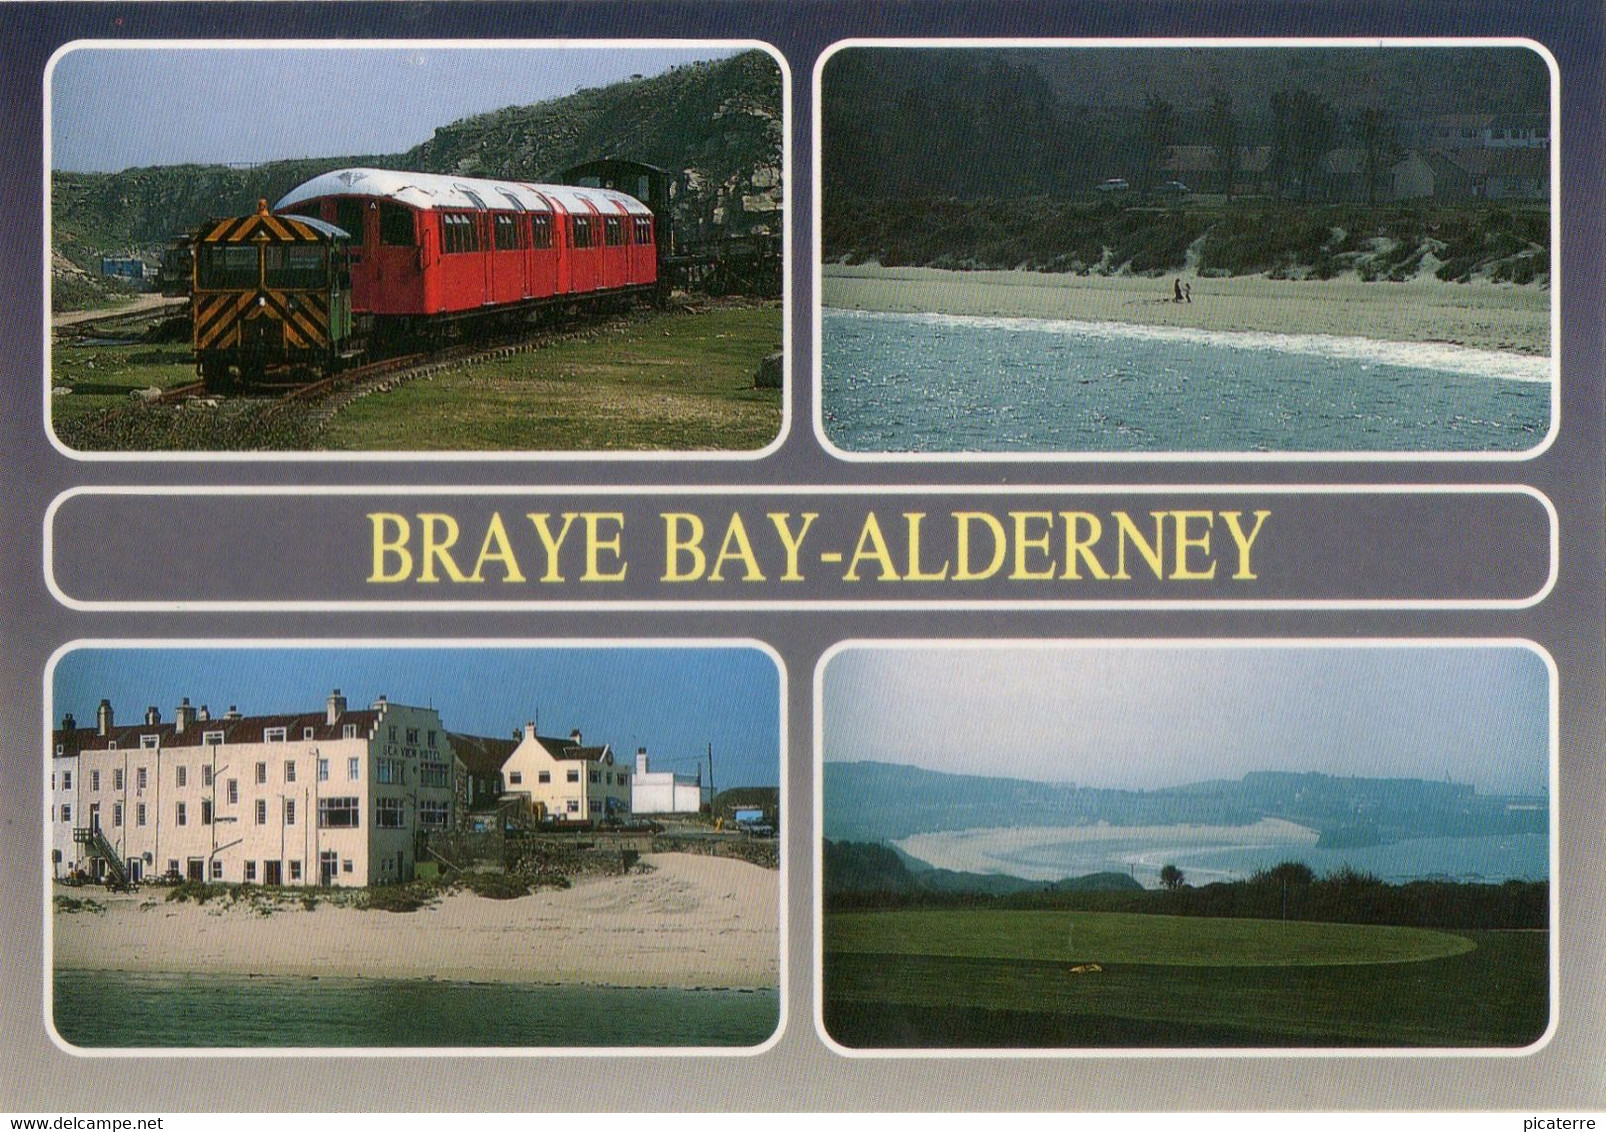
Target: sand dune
[1484, 316]
[691, 921]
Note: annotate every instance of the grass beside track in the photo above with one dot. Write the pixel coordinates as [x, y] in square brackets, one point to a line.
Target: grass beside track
[1175, 982]
[678, 380]
[671, 381]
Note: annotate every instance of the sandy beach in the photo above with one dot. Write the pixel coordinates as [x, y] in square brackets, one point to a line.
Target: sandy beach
[1483, 316]
[689, 921]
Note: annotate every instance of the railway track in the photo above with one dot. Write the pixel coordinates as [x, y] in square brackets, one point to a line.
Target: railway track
[335, 391]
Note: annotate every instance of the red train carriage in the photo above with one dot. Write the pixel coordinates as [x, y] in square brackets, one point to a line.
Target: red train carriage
[430, 251]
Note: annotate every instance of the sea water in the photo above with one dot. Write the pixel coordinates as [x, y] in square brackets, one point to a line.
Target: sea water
[946, 383]
[122, 1009]
[1204, 857]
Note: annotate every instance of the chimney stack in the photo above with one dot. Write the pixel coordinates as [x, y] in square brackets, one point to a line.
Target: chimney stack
[68, 723]
[641, 760]
[334, 708]
[206, 714]
[183, 716]
[152, 716]
[103, 719]
[232, 713]
[574, 737]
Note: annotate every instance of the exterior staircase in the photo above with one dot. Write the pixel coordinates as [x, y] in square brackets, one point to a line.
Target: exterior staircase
[99, 846]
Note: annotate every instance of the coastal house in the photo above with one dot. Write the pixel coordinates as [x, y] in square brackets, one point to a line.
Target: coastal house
[335, 797]
[565, 779]
[664, 791]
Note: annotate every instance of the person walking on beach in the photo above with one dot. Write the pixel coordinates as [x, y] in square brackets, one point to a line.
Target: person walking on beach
[1187, 291]
[1177, 286]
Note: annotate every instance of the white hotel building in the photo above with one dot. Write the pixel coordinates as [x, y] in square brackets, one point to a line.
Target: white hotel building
[324, 798]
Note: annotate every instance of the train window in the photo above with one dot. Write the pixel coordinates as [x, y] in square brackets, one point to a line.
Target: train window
[348, 217]
[613, 230]
[395, 225]
[459, 233]
[581, 229]
[507, 232]
[225, 266]
[540, 231]
[292, 266]
[643, 229]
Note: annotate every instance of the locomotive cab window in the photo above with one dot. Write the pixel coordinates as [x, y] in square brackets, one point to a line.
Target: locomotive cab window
[348, 216]
[292, 267]
[226, 266]
[613, 230]
[540, 231]
[395, 225]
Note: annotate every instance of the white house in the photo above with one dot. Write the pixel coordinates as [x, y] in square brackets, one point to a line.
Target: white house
[664, 792]
[566, 779]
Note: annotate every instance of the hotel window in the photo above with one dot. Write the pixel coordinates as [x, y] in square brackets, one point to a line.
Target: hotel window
[295, 870]
[139, 778]
[306, 733]
[596, 776]
[206, 774]
[149, 742]
[544, 776]
[515, 778]
[117, 813]
[392, 733]
[94, 780]
[572, 776]
[232, 791]
[348, 731]
[273, 735]
[250, 872]
[206, 811]
[289, 811]
[66, 813]
[388, 813]
[172, 866]
[390, 772]
[262, 811]
[66, 780]
[289, 770]
[353, 768]
[432, 740]
[323, 770]
[433, 815]
[262, 774]
[337, 813]
[217, 869]
[573, 806]
[181, 774]
[609, 777]
[139, 814]
[211, 738]
[596, 806]
[412, 736]
[180, 815]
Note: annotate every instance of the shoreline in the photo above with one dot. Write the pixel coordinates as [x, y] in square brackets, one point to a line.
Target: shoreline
[1484, 316]
[692, 922]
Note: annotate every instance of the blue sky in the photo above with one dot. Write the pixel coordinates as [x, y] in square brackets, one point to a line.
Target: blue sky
[116, 108]
[1143, 718]
[673, 701]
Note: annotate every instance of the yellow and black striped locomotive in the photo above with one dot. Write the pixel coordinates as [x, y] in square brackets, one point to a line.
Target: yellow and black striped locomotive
[270, 292]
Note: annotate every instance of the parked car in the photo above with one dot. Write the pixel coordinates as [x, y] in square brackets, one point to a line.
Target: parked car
[1112, 185]
[1174, 187]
